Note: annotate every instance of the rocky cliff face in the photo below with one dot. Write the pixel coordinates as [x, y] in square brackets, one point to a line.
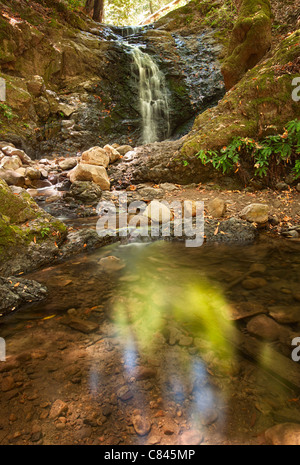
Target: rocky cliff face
[70, 84]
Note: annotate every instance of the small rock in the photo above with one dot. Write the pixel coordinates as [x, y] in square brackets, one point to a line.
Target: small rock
[8, 384]
[68, 164]
[145, 373]
[58, 408]
[123, 149]
[85, 326]
[255, 213]
[111, 263]
[191, 438]
[253, 283]
[282, 186]
[217, 208]
[264, 327]
[141, 425]
[124, 393]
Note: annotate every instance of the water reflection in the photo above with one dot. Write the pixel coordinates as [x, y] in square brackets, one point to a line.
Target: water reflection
[166, 347]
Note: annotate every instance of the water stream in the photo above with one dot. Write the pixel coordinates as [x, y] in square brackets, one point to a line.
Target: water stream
[154, 107]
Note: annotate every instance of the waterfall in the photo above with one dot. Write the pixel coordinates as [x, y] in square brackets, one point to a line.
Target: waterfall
[153, 98]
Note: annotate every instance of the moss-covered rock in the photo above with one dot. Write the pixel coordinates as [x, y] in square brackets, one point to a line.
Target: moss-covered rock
[23, 227]
[250, 40]
[260, 104]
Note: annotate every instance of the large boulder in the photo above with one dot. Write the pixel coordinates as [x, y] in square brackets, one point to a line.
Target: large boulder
[11, 151]
[29, 237]
[85, 192]
[95, 156]
[94, 173]
[12, 178]
[11, 163]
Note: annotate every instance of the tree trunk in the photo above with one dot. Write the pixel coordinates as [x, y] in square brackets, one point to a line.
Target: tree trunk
[89, 6]
[98, 11]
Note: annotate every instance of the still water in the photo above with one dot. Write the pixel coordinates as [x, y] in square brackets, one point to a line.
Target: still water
[153, 348]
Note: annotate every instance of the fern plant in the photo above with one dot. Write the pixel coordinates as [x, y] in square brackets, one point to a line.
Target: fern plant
[265, 154]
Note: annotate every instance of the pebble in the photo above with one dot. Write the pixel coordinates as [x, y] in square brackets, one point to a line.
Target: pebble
[141, 425]
[191, 438]
[124, 393]
[8, 384]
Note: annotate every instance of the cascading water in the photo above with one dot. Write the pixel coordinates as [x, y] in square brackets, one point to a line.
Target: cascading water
[153, 97]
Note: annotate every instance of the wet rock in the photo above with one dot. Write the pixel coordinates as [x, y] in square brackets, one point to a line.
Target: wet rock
[141, 425]
[58, 409]
[185, 341]
[95, 156]
[217, 208]
[285, 314]
[85, 192]
[124, 393]
[16, 292]
[285, 434]
[85, 326]
[253, 283]
[255, 213]
[264, 327]
[86, 172]
[111, 264]
[191, 438]
[245, 309]
[145, 373]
